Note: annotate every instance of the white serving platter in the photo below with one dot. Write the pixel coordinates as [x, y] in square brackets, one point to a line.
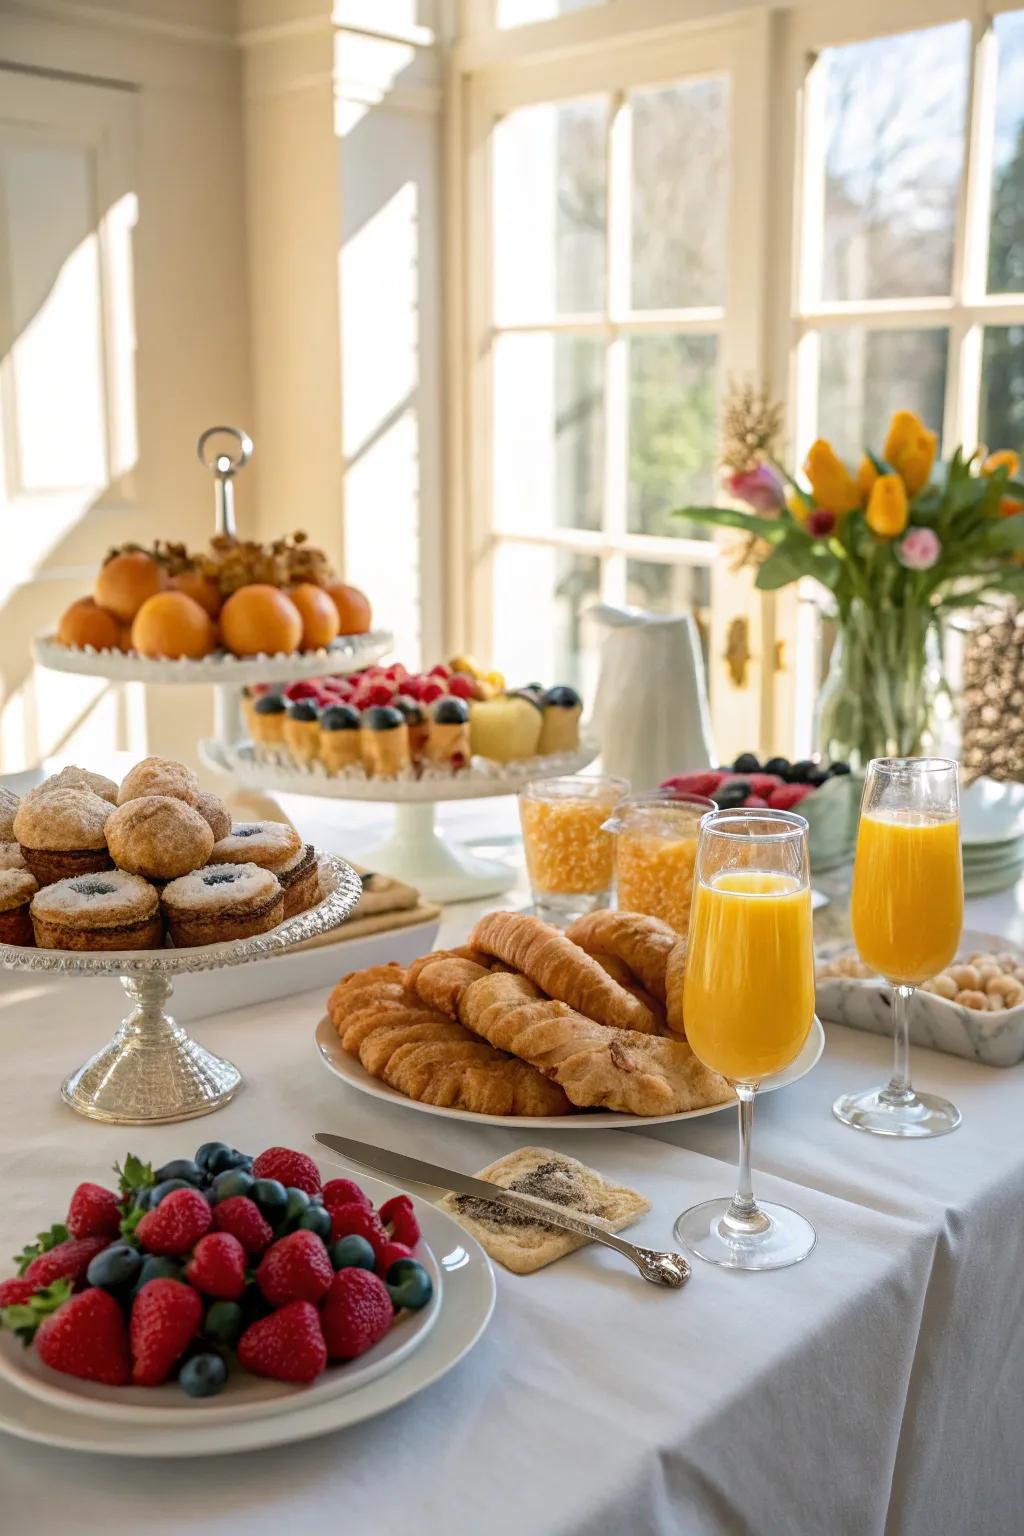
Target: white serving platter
[349, 653]
[350, 1071]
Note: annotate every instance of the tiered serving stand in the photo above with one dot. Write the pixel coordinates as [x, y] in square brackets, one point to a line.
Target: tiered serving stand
[441, 869]
[152, 1071]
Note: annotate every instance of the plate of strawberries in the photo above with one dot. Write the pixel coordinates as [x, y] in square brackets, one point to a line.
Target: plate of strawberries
[223, 1289]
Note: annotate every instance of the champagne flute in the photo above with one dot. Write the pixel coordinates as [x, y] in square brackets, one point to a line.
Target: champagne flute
[907, 911]
[748, 1001]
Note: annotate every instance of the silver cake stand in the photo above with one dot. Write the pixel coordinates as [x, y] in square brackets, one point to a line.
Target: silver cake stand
[152, 1072]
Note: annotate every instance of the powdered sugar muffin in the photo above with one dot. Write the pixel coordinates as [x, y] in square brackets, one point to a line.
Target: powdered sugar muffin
[159, 776]
[9, 803]
[213, 811]
[222, 902]
[11, 856]
[74, 777]
[62, 833]
[270, 844]
[17, 888]
[110, 910]
[158, 837]
[300, 880]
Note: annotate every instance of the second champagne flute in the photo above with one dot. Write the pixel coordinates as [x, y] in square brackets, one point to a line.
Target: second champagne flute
[907, 911]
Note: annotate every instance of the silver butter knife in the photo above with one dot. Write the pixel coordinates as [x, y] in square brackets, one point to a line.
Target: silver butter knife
[669, 1269]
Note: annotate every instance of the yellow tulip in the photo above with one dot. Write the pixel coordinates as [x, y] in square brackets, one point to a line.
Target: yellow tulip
[910, 449]
[834, 487]
[1004, 459]
[867, 474]
[797, 506]
[887, 507]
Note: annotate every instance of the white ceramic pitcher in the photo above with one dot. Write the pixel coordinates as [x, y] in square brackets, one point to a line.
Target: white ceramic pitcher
[651, 709]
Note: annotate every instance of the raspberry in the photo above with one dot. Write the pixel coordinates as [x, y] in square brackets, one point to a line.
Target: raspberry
[286, 1346]
[94, 1212]
[786, 796]
[755, 802]
[359, 1221]
[398, 1214]
[292, 1169]
[217, 1266]
[695, 783]
[177, 1224]
[380, 693]
[68, 1261]
[297, 1268]
[344, 1192]
[390, 1254]
[300, 690]
[431, 691]
[243, 1219]
[356, 1314]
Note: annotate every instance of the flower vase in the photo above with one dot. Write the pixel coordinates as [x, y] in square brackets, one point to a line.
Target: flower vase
[886, 693]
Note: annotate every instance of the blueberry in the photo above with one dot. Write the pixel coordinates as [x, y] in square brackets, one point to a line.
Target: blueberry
[208, 1151]
[203, 1375]
[816, 777]
[156, 1267]
[116, 1266]
[224, 1323]
[142, 1199]
[216, 1156]
[730, 796]
[158, 1191]
[746, 763]
[799, 772]
[315, 1219]
[777, 765]
[298, 1203]
[180, 1168]
[352, 1252]
[233, 1181]
[408, 1284]
[837, 769]
[271, 1197]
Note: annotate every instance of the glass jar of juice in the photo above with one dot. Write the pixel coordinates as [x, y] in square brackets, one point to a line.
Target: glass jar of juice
[570, 857]
[655, 850]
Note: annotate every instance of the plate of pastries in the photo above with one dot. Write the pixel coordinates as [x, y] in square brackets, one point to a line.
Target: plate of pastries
[576, 1030]
[387, 722]
[88, 864]
[236, 599]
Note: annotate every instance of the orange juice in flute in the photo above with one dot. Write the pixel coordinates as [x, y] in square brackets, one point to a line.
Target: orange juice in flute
[748, 1003]
[906, 911]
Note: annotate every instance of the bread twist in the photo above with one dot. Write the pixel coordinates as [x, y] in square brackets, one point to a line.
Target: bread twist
[653, 951]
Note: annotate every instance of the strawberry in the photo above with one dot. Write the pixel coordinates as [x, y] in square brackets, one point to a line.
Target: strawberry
[217, 1266]
[344, 1192]
[297, 1268]
[380, 693]
[292, 1169]
[703, 783]
[69, 1260]
[165, 1319]
[94, 1212]
[347, 1220]
[243, 1218]
[14, 1293]
[304, 689]
[398, 1214]
[390, 1254]
[356, 1313]
[177, 1224]
[755, 802]
[287, 1346]
[787, 796]
[86, 1337]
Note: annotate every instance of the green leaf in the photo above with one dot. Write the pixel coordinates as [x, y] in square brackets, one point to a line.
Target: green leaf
[130, 1222]
[24, 1318]
[796, 556]
[58, 1233]
[881, 467]
[1007, 534]
[134, 1175]
[771, 528]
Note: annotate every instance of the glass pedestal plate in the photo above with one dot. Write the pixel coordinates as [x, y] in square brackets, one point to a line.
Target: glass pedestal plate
[152, 1071]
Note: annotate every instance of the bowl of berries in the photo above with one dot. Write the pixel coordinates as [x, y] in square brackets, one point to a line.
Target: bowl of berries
[223, 1284]
[827, 794]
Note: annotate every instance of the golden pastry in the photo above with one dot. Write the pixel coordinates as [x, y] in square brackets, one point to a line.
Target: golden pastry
[384, 738]
[560, 730]
[340, 743]
[62, 833]
[448, 734]
[507, 728]
[158, 837]
[302, 730]
[109, 910]
[266, 717]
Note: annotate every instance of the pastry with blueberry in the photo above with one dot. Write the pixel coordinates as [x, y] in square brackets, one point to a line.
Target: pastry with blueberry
[384, 739]
[448, 741]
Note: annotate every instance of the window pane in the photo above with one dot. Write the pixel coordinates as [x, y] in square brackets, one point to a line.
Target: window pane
[673, 427]
[541, 632]
[548, 432]
[549, 210]
[866, 375]
[1006, 250]
[516, 13]
[894, 148]
[661, 588]
[1002, 387]
[680, 199]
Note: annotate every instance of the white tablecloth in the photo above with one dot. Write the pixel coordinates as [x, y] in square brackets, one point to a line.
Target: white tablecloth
[878, 1387]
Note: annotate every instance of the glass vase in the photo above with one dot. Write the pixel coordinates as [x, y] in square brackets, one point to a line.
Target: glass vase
[886, 692]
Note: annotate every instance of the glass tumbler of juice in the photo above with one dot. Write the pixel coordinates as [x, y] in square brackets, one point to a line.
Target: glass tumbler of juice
[655, 853]
[570, 858]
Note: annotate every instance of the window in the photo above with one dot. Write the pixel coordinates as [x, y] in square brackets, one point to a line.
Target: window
[603, 337]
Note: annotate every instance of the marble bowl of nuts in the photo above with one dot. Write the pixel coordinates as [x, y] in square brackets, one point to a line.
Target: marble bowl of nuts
[974, 1008]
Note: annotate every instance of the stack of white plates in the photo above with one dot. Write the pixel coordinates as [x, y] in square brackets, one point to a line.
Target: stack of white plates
[992, 831]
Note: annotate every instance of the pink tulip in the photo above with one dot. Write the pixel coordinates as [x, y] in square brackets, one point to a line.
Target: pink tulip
[919, 549]
[760, 488]
[820, 523]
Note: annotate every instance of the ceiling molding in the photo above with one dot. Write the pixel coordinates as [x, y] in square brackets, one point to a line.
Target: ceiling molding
[120, 21]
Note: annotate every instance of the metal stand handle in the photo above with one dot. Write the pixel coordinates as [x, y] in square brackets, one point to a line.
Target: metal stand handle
[225, 466]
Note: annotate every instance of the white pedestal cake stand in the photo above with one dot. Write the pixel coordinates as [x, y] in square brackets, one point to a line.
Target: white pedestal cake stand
[440, 869]
[229, 674]
[151, 1071]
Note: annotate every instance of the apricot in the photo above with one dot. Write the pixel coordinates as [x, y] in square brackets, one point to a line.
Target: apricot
[260, 619]
[200, 588]
[354, 612]
[173, 624]
[320, 618]
[86, 623]
[126, 581]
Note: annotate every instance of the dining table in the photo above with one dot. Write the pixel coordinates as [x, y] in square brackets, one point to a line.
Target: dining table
[877, 1387]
